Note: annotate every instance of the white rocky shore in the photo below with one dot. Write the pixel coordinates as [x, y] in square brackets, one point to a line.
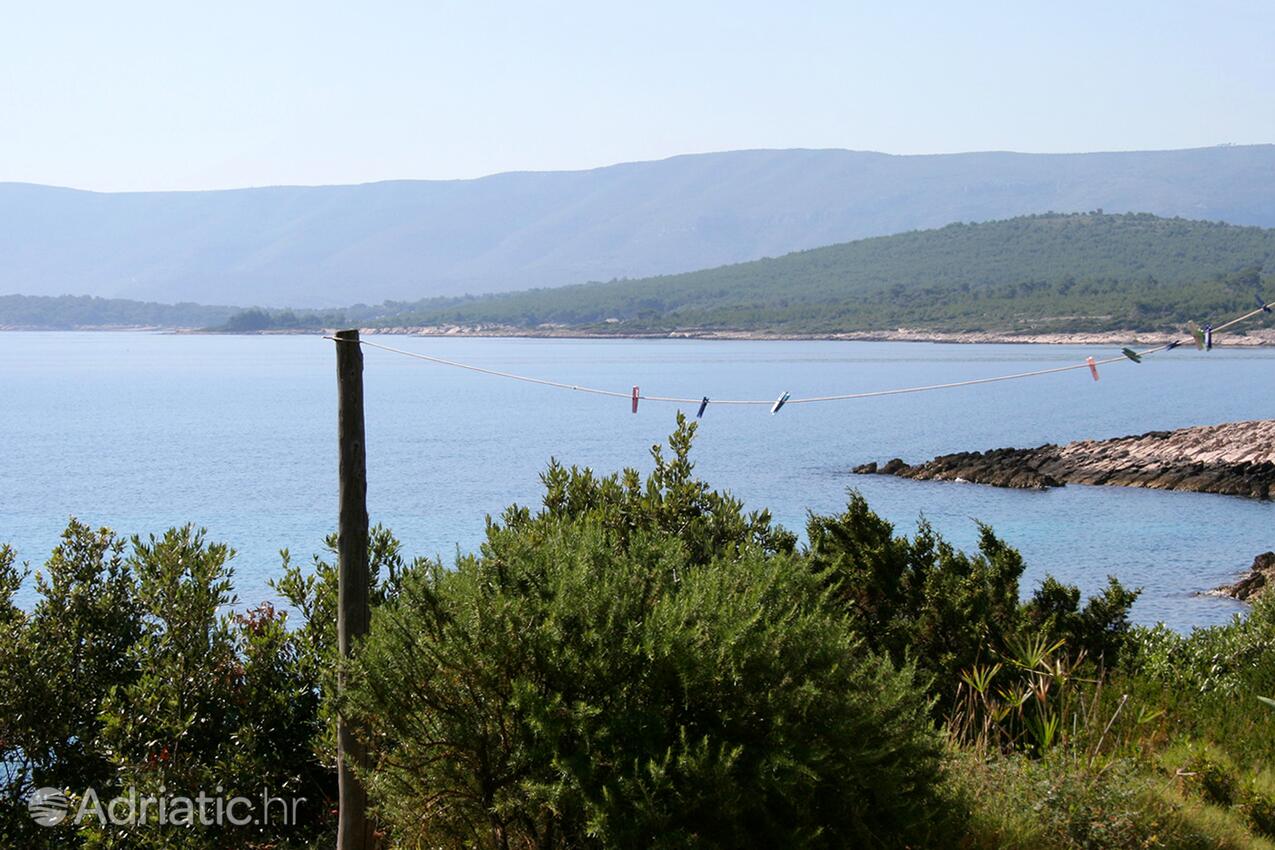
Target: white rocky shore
[1251, 338]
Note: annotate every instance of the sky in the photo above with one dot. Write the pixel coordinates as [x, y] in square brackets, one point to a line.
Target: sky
[136, 95]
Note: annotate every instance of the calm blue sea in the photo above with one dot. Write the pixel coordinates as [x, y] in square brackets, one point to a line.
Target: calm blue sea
[237, 433]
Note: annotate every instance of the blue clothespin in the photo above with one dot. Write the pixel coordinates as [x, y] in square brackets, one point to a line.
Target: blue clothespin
[779, 402]
[1266, 308]
[1208, 337]
[1131, 354]
[699, 414]
[1173, 345]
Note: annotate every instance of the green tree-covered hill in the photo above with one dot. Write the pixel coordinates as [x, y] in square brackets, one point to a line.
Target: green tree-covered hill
[1076, 272]
[68, 312]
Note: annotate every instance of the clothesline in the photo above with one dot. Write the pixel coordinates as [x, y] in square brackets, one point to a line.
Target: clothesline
[1200, 338]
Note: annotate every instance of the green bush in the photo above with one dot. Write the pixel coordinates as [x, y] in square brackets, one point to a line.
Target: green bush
[1208, 682]
[58, 664]
[1058, 803]
[1258, 805]
[639, 666]
[949, 611]
[130, 672]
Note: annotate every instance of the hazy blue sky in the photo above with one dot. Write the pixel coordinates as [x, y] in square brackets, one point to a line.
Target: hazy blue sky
[177, 95]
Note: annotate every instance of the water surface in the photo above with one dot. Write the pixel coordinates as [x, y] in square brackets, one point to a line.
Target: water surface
[237, 433]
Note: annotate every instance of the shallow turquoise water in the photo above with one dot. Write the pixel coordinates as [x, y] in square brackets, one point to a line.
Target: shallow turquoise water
[143, 431]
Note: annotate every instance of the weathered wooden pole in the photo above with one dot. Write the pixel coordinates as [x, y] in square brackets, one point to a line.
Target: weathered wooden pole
[354, 831]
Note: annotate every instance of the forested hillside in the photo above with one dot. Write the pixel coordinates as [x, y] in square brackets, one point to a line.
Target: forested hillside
[1090, 271]
[68, 312]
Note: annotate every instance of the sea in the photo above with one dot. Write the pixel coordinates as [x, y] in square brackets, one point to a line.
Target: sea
[237, 434]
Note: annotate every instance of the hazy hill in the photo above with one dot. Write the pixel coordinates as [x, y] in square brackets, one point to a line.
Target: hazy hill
[68, 312]
[337, 245]
[1045, 272]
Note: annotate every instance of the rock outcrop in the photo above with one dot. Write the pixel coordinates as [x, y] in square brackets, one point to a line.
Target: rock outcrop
[1234, 459]
[1254, 583]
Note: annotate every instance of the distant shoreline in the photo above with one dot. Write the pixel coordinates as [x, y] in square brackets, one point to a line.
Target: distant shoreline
[1252, 339]
[1258, 338]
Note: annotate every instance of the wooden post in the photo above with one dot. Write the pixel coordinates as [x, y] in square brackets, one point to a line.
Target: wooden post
[354, 831]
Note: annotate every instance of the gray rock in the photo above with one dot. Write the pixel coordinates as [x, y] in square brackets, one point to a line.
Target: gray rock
[1236, 458]
[1254, 582]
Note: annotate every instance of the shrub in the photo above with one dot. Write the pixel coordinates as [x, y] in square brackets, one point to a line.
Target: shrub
[639, 666]
[923, 599]
[1210, 774]
[129, 673]
[1057, 803]
[58, 664]
[1259, 804]
[1209, 682]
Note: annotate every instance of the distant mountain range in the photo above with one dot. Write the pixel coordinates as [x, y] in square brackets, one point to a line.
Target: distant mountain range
[339, 245]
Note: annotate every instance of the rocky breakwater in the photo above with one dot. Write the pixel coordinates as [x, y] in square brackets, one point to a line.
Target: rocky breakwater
[1254, 583]
[1234, 459]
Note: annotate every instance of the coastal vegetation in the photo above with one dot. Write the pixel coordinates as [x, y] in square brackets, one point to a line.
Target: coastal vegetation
[638, 662]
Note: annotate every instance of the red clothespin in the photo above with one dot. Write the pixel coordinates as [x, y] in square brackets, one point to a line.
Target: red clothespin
[1093, 367]
[636, 396]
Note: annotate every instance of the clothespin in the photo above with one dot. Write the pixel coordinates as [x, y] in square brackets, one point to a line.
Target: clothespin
[1131, 354]
[699, 414]
[779, 402]
[1172, 345]
[636, 396]
[1093, 367]
[1208, 337]
[1266, 308]
[1197, 334]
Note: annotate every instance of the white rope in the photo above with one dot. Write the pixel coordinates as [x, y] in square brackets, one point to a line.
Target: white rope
[810, 400]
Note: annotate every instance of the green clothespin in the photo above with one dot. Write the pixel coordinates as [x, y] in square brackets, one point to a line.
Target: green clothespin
[1197, 334]
[1131, 354]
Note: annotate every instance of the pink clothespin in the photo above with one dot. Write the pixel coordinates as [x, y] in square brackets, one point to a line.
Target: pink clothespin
[1093, 367]
[635, 399]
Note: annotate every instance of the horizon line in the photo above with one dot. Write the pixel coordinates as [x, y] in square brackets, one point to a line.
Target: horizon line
[626, 163]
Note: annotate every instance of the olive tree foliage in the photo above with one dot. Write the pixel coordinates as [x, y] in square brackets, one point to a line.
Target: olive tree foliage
[638, 664]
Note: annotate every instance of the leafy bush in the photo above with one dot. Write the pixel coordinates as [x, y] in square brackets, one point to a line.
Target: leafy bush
[639, 666]
[130, 673]
[1258, 804]
[1209, 682]
[923, 599]
[59, 663]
